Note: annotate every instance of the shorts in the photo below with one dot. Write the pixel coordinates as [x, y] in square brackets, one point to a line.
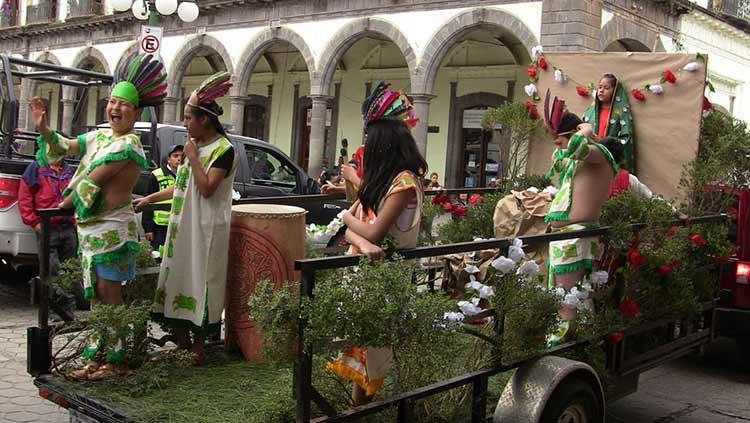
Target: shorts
[117, 272]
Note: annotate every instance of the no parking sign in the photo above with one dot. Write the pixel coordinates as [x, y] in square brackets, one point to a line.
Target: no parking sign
[150, 42]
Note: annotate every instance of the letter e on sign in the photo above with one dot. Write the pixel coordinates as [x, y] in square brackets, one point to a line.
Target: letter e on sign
[150, 41]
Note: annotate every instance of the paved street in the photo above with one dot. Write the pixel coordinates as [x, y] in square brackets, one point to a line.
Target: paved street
[691, 390]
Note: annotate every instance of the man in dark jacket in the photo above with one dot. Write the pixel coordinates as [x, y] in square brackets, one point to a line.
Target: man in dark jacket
[155, 222]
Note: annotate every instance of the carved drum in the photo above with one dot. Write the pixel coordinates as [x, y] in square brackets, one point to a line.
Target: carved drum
[265, 241]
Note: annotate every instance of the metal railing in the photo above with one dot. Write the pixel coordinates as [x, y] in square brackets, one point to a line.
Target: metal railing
[43, 12]
[736, 8]
[8, 15]
[81, 8]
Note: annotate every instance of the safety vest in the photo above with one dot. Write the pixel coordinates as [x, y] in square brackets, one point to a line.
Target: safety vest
[161, 217]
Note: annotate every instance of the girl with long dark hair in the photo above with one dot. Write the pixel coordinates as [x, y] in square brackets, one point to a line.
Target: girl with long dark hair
[389, 204]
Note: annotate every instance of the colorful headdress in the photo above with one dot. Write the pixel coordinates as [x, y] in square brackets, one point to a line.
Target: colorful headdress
[217, 85]
[141, 82]
[553, 119]
[385, 103]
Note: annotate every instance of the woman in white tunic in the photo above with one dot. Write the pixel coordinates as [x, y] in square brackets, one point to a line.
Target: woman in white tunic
[192, 279]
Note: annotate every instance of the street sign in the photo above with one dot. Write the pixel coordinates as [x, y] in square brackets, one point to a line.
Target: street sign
[150, 40]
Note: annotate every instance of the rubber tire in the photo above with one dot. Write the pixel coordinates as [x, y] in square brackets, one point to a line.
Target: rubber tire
[570, 392]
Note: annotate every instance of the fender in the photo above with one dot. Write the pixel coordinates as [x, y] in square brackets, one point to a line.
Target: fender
[531, 386]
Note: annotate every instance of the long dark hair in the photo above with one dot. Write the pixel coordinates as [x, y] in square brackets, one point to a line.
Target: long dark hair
[212, 118]
[390, 150]
[612, 78]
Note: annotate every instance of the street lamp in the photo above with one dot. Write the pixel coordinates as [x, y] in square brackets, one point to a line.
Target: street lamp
[151, 9]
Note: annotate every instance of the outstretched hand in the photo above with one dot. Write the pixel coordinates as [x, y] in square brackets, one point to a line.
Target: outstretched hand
[140, 203]
[39, 114]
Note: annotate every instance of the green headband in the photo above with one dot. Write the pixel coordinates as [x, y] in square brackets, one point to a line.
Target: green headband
[126, 91]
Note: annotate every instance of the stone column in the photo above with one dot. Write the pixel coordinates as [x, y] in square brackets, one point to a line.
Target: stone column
[24, 115]
[237, 110]
[69, 107]
[422, 110]
[317, 134]
[571, 25]
[170, 109]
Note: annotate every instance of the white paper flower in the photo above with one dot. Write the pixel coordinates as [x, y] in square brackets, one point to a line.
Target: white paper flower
[656, 89]
[471, 254]
[155, 254]
[599, 278]
[559, 76]
[453, 317]
[536, 52]
[235, 195]
[530, 90]
[529, 268]
[552, 190]
[477, 239]
[582, 294]
[571, 301]
[504, 265]
[560, 292]
[486, 291]
[471, 269]
[475, 285]
[516, 253]
[535, 190]
[691, 67]
[468, 309]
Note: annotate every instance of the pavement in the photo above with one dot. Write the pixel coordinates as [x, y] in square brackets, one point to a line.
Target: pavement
[705, 389]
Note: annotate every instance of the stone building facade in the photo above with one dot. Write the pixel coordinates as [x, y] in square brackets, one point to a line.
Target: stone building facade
[302, 67]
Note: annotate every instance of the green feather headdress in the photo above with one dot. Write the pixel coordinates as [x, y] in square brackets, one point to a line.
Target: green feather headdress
[216, 86]
[142, 82]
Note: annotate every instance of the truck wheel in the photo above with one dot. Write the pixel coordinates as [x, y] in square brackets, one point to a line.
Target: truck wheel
[574, 401]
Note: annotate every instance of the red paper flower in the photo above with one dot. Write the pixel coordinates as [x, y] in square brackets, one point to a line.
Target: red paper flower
[582, 91]
[439, 200]
[531, 71]
[448, 206]
[629, 308]
[707, 106]
[664, 270]
[635, 258]
[670, 77]
[615, 338]
[698, 240]
[542, 62]
[534, 113]
[638, 94]
[459, 211]
[475, 198]
[672, 231]
[528, 104]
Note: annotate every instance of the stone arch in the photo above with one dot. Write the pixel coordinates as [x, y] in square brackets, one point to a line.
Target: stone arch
[185, 55]
[94, 53]
[258, 45]
[47, 57]
[350, 34]
[459, 25]
[631, 34]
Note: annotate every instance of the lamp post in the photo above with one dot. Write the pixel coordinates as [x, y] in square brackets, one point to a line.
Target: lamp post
[150, 10]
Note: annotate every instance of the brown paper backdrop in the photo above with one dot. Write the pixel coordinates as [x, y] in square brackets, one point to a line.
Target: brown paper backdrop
[667, 126]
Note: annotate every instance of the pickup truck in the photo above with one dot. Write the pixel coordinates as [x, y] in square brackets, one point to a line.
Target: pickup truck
[264, 170]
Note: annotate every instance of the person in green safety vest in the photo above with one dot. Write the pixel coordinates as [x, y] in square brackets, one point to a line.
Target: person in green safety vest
[155, 222]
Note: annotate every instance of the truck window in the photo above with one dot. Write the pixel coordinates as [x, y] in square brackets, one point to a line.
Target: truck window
[267, 169]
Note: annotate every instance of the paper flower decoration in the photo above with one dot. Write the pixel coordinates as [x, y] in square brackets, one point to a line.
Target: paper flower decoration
[504, 265]
[453, 317]
[469, 308]
[638, 94]
[656, 89]
[536, 52]
[534, 113]
[670, 77]
[531, 71]
[582, 91]
[486, 292]
[599, 278]
[529, 268]
[691, 67]
[559, 76]
[515, 251]
[530, 89]
[542, 62]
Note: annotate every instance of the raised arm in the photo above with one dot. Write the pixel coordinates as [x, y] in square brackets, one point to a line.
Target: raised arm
[55, 145]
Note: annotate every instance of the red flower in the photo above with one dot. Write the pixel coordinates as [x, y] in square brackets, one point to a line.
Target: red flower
[448, 206]
[670, 77]
[615, 338]
[672, 231]
[542, 62]
[475, 198]
[629, 308]
[582, 91]
[635, 258]
[534, 113]
[664, 270]
[698, 240]
[638, 94]
[528, 104]
[531, 71]
[459, 211]
[439, 200]
[707, 106]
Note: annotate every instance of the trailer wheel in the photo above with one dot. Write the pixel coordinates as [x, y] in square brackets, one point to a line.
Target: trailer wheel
[574, 401]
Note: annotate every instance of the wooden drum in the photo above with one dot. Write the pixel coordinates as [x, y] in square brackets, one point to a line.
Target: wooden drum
[265, 241]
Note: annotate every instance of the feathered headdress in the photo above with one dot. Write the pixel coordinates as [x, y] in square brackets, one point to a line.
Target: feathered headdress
[217, 85]
[554, 118]
[385, 103]
[142, 82]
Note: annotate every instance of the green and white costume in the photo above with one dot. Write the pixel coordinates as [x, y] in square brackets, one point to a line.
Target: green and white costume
[620, 123]
[105, 237]
[193, 274]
